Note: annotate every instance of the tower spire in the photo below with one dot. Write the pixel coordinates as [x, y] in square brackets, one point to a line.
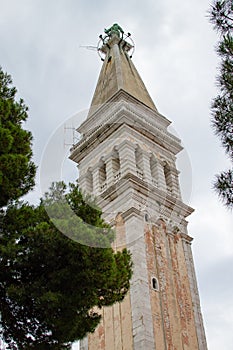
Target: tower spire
[118, 72]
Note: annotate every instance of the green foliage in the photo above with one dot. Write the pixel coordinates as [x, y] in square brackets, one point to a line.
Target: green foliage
[221, 15]
[49, 283]
[17, 171]
[225, 187]
[93, 232]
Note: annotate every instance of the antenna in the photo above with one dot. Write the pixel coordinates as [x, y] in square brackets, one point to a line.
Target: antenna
[89, 47]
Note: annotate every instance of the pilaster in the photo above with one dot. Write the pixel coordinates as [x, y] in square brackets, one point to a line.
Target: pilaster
[142, 322]
[109, 170]
[146, 167]
[161, 178]
[84, 344]
[83, 182]
[175, 182]
[96, 180]
[195, 295]
[127, 158]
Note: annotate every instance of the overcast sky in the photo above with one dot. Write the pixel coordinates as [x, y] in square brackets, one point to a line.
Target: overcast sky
[40, 47]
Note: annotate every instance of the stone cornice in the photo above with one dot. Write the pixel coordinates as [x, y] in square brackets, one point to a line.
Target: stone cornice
[147, 191]
[124, 116]
[188, 239]
[112, 105]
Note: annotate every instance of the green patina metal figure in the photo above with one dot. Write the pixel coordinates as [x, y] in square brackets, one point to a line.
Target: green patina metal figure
[114, 29]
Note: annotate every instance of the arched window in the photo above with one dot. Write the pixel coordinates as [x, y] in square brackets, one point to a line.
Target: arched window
[154, 283]
[168, 177]
[102, 175]
[147, 217]
[116, 165]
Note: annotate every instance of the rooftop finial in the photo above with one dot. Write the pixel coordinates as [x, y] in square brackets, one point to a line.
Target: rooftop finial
[114, 29]
[115, 35]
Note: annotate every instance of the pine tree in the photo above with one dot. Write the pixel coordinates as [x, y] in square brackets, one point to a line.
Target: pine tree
[50, 285]
[221, 15]
[17, 171]
[57, 266]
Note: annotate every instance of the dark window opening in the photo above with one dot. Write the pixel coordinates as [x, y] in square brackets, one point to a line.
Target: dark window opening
[155, 284]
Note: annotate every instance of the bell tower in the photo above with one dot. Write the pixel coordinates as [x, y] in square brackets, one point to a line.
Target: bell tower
[127, 159]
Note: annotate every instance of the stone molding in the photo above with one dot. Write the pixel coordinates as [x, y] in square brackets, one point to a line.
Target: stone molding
[126, 114]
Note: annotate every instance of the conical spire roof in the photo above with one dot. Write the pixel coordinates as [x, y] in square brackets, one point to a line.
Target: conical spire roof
[118, 72]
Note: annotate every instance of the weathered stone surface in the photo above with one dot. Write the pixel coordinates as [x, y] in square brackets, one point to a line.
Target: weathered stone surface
[119, 73]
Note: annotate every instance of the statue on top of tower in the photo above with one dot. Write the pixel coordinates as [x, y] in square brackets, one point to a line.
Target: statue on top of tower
[114, 29]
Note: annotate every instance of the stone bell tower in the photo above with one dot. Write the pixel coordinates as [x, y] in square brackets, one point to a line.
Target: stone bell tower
[127, 159]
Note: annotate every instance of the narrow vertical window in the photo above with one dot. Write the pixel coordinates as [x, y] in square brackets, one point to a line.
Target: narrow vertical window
[102, 176]
[168, 178]
[155, 284]
[139, 162]
[116, 165]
